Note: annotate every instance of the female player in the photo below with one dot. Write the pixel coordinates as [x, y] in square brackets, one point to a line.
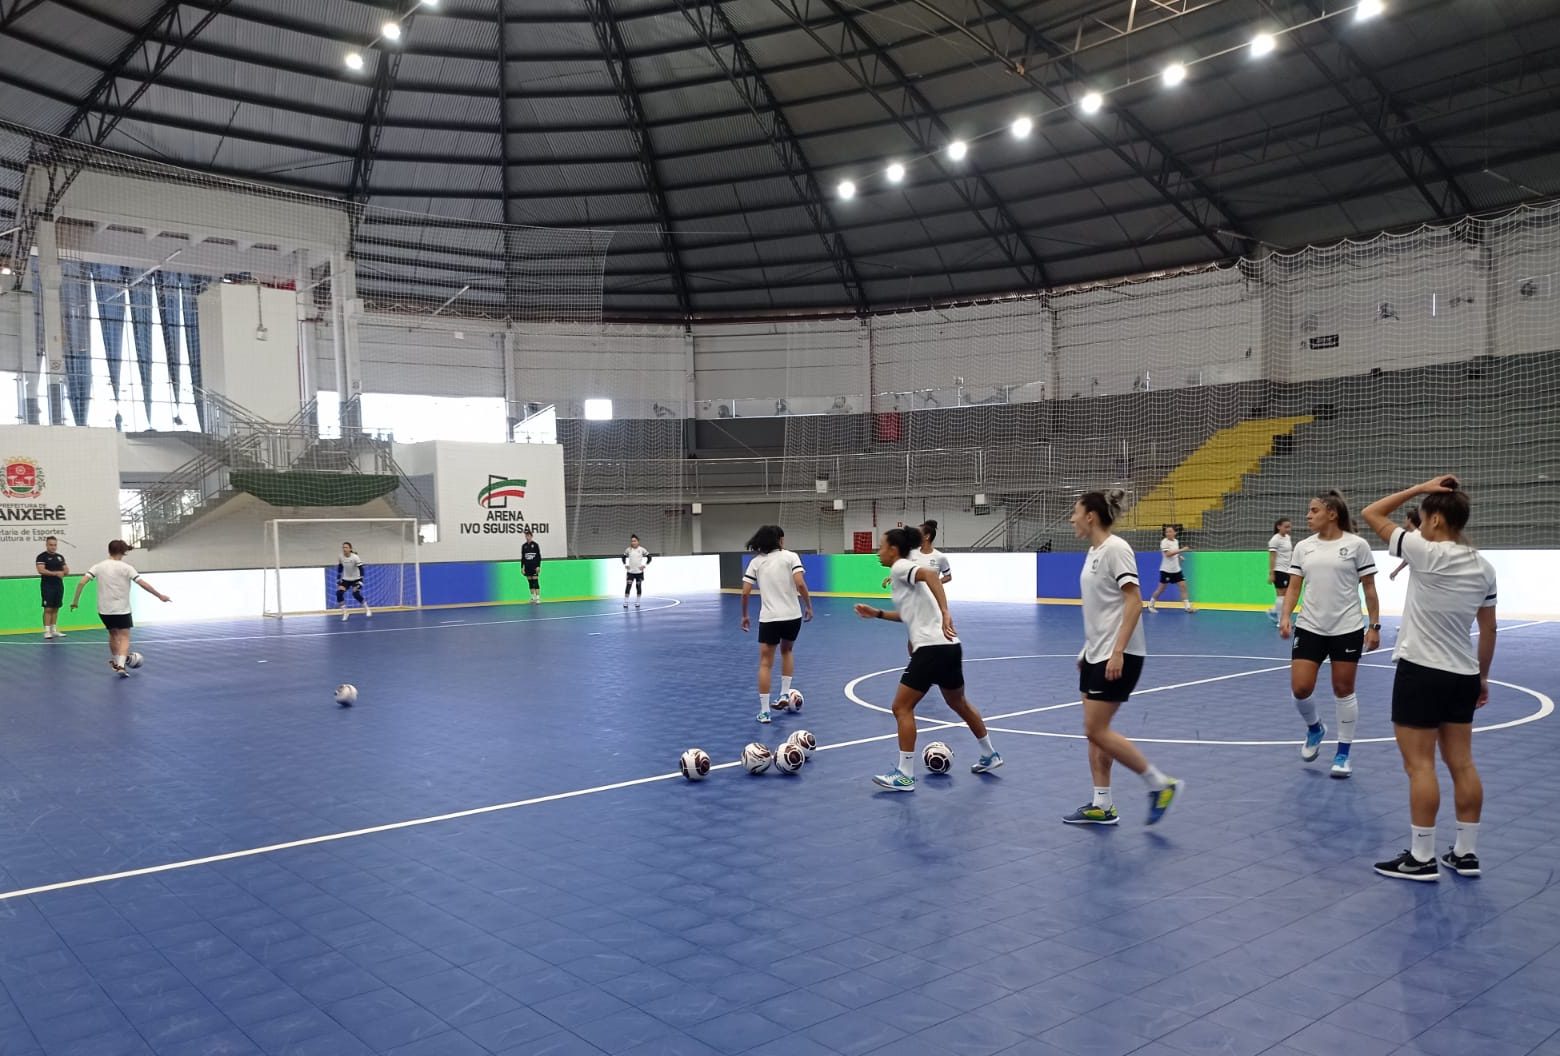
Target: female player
[1411, 522]
[52, 570]
[928, 555]
[1332, 564]
[1111, 660]
[1170, 553]
[1281, 550]
[635, 560]
[936, 657]
[114, 577]
[531, 565]
[349, 576]
[1440, 683]
[783, 605]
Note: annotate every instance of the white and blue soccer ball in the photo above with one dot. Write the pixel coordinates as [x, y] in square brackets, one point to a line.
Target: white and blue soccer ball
[346, 694]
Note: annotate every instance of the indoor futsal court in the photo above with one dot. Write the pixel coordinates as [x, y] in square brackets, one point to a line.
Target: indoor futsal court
[779, 528]
[579, 896]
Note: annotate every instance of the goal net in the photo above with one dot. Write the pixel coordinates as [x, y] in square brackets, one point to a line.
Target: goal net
[299, 550]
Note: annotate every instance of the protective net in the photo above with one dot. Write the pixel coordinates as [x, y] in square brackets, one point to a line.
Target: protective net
[295, 552]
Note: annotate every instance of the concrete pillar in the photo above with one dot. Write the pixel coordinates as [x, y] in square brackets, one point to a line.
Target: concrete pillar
[52, 357]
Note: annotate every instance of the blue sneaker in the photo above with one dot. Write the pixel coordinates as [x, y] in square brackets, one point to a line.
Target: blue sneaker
[1313, 742]
[1088, 814]
[1341, 767]
[763, 717]
[1159, 802]
[895, 781]
[987, 763]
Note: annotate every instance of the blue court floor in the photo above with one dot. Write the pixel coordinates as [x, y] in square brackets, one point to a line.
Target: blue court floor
[609, 906]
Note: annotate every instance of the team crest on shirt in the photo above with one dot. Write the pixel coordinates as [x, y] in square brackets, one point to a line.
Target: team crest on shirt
[23, 479]
[1343, 551]
[1094, 566]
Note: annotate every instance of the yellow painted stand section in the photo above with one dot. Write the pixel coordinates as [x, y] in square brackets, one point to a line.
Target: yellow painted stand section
[1198, 486]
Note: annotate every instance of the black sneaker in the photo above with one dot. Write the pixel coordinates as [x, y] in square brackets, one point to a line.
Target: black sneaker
[1406, 867]
[1461, 864]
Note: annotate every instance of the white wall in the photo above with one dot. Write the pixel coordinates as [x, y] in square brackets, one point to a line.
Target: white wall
[469, 530]
[259, 375]
[73, 493]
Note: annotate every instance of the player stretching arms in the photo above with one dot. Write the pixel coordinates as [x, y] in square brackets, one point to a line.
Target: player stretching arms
[114, 577]
[349, 576]
[783, 604]
[936, 657]
[635, 560]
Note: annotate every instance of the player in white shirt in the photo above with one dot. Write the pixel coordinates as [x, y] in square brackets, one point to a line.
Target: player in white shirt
[114, 578]
[928, 555]
[1281, 549]
[1111, 660]
[1411, 522]
[936, 657]
[1333, 565]
[349, 576]
[1440, 682]
[1170, 553]
[635, 560]
[783, 604]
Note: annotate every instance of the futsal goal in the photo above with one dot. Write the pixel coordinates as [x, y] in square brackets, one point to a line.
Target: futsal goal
[297, 549]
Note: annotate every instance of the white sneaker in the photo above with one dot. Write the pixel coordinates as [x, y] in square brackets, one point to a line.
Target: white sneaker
[1153, 606]
[625, 604]
[368, 613]
[59, 633]
[343, 615]
[47, 635]
[636, 604]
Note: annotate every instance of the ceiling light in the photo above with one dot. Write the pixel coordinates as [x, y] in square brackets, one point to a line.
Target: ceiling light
[390, 31]
[896, 173]
[1022, 126]
[1368, 9]
[1174, 74]
[5, 269]
[847, 189]
[430, 3]
[1091, 103]
[957, 149]
[1263, 44]
[354, 61]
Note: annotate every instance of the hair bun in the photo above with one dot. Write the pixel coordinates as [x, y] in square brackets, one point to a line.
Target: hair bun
[1117, 498]
[1451, 483]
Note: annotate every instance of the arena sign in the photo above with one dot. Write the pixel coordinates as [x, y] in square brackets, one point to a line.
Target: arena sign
[57, 481]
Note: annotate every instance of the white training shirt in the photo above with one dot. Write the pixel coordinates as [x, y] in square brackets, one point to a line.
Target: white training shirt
[1166, 562]
[1106, 569]
[1332, 569]
[917, 605]
[113, 592]
[772, 575]
[351, 568]
[936, 559]
[1450, 584]
[635, 558]
[1282, 547]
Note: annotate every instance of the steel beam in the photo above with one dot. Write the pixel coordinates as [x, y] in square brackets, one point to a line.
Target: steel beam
[363, 158]
[15, 9]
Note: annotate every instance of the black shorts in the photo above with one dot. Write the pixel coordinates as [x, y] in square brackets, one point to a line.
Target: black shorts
[1280, 580]
[344, 585]
[53, 592]
[1093, 684]
[1425, 697]
[636, 577]
[533, 576]
[1339, 648]
[117, 622]
[1172, 577]
[776, 631]
[935, 665]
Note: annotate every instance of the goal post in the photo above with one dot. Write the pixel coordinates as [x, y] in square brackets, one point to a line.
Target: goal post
[298, 549]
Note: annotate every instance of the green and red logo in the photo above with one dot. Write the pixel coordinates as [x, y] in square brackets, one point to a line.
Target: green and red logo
[499, 490]
[24, 479]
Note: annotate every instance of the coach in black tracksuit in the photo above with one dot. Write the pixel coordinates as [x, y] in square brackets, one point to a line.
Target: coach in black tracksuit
[531, 565]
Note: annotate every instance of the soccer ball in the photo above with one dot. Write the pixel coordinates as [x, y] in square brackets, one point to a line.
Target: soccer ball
[938, 758]
[756, 758]
[695, 764]
[133, 660]
[346, 694]
[796, 700]
[789, 757]
[804, 740]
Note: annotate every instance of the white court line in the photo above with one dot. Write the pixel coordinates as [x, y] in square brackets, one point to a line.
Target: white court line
[284, 635]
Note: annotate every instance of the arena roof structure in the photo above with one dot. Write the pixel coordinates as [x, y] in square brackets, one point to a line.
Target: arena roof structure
[740, 152]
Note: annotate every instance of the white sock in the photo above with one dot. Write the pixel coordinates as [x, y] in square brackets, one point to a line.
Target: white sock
[1154, 778]
[763, 702]
[1102, 798]
[1307, 710]
[1188, 604]
[1348, 715]
[907, 763]
[1467, 837]
[985, 745]
[785, 683]
[1422, 846]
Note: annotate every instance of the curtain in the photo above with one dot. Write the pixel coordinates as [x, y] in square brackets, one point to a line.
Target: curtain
[169, 288]
[76, 310]
[109, 284]
[141, 328]
[194, 286]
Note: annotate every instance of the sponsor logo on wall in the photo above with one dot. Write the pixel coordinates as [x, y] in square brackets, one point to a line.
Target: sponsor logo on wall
[22, 517]
[499, 517]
